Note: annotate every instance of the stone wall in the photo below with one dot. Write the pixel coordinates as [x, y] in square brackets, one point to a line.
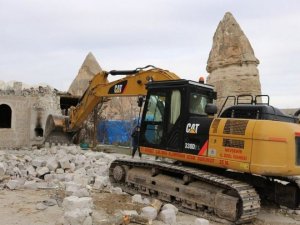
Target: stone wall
[29, 111]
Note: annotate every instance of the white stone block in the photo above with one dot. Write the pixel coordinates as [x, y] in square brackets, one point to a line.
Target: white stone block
[38, 162]
[64, 162]
[201, 221]
[73, 202]
[49, 177]
[80, 160]
[72, 167]
[41, 206]
[168, 216]
[31, 171]
[17, 172]
[32, 185]
[82, 192]
[137, 198]
[27, 158]
[149, 213]
[129, 212]
[71, 188]
[69, 177]
[41, 171]
[117, 190]
[81, 171]
[170, 206]
[52, 164]
[3, 167]
[80, 179]
[101, 183]
[76, 217]
[60, 171]
[15, 184]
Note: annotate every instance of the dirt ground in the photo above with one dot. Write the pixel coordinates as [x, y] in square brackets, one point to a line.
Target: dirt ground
[19, 207]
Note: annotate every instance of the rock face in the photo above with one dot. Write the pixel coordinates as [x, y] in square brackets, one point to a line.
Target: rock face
[232, 64]
[88, 70]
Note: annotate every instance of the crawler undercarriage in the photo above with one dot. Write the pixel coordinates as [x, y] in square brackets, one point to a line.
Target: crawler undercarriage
[194, 191]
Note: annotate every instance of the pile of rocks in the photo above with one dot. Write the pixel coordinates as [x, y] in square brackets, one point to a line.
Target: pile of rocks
[74, 174]
[66, 168]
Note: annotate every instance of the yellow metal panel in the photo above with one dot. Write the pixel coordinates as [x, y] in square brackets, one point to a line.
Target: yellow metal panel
[274, 149]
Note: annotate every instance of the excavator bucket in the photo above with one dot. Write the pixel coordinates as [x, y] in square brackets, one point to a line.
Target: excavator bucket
[55, 130]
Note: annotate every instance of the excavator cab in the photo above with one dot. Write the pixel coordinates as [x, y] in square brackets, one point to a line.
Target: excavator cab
[177, 116]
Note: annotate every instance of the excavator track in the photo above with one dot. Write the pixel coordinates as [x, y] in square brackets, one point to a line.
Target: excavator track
[194, 191]
[284, 191]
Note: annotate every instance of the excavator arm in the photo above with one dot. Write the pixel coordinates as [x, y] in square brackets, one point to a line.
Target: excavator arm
[134, 84]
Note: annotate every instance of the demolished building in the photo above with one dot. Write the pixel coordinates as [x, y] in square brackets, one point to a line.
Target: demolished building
[23, 113]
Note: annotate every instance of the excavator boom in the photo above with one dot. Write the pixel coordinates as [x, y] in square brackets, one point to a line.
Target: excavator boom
[59, 128]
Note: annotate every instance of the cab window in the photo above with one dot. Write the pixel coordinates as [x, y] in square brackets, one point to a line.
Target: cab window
[197, 103]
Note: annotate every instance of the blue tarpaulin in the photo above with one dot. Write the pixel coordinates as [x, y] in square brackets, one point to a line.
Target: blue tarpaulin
[115, 131]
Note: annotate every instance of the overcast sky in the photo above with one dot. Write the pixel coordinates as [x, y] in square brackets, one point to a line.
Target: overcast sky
[47, 41]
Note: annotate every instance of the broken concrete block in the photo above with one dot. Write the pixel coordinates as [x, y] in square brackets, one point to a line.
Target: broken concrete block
[69, 177]
[27, 158]
[137, 198]
[72, 167]
[79, 160]
[59, 171]
[17, 172]
[47, 145]
[41, 206]
[155, 203]
[71, 188]
[76, 217]
[38, 163]
[32, 185]
[82, 192]
[41, 171]
[81, 179]
[88, 221]
[80, 171]
[168, 216]
[31, 171]
[49, 177]
[170, 206]
[3, 167]
[149, 212]
[52, 150]
[73, 202]
[146, 201]
[129, 212]
[201, 221]
[64, 162]
[52, 164]
[101, 183]
[15, 184]
[117, 190]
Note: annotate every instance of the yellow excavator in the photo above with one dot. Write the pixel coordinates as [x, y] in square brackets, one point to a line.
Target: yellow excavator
[219, 166]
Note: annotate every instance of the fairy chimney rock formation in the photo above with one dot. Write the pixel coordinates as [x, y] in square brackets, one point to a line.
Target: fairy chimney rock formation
[90, 67]
[232, 65]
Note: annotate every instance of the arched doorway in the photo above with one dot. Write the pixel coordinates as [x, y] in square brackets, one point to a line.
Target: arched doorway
[5, 116]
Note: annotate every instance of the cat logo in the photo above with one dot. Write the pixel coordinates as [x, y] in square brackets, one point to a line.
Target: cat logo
[192, 128]
[118, 88]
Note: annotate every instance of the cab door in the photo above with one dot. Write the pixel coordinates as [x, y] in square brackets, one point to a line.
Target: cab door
[162, 122]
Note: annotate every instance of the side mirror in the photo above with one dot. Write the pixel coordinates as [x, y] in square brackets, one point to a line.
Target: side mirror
[140, 101]
[211, 109]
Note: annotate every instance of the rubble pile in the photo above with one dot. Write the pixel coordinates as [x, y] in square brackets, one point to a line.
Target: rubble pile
[74, 174]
